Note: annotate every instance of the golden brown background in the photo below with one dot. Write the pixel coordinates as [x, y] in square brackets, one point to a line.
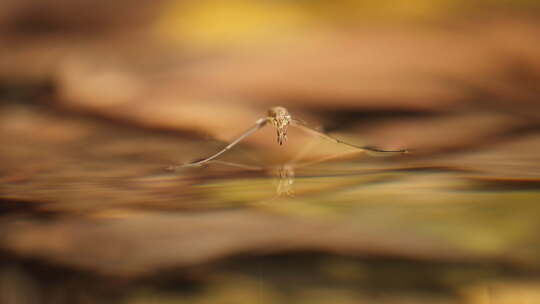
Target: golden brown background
[98, 97]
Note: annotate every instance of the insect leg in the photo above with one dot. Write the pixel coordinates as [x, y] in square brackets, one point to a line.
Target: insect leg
[259, 124]
[371, 150]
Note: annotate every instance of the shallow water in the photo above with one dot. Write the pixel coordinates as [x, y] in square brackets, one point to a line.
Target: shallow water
[90, 201]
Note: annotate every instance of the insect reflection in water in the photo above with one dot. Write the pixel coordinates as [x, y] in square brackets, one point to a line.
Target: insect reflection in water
[284, 174]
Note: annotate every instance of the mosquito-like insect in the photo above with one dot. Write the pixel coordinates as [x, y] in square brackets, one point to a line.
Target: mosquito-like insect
[281, 119]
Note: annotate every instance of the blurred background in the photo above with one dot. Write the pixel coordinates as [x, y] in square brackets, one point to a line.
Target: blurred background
[97, 98]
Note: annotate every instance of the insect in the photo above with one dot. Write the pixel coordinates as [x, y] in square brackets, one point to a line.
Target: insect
[281, 119]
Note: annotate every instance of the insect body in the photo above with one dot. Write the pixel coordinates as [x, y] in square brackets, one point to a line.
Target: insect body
[280, 119]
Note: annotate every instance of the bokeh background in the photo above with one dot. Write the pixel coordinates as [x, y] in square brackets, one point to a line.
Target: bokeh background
[97, 98]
